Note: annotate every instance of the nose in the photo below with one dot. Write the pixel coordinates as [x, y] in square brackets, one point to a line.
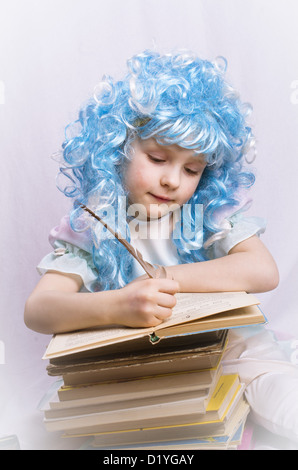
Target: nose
[170, 177]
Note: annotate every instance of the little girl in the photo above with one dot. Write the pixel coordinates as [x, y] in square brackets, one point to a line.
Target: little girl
[145, 153]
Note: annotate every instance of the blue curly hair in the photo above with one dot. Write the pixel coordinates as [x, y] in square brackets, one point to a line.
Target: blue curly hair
[176, 99]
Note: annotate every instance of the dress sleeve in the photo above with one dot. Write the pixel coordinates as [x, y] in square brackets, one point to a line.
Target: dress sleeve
[236, 229]
[72, 254]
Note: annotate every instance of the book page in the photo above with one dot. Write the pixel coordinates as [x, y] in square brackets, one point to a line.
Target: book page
[193, 306]
[190, 307]
[78, 340]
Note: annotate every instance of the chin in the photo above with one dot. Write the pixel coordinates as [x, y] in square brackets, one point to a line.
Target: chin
[156, 212]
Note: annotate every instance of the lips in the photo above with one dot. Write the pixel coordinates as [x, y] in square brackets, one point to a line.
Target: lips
[161, 198]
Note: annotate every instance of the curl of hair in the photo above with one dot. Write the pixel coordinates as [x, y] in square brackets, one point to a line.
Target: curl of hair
[177, 99]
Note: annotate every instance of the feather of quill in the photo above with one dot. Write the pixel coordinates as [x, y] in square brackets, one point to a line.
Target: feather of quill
[151, 271]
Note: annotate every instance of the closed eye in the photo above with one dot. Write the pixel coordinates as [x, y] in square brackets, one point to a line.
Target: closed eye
[192, 172]
[155, 159]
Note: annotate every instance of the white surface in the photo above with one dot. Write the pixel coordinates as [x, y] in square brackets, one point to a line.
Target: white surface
[52, 55]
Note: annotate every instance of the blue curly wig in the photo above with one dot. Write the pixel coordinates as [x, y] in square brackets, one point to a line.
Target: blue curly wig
[176, 99]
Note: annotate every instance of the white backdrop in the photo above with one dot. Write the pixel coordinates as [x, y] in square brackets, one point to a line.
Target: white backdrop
[52, 54]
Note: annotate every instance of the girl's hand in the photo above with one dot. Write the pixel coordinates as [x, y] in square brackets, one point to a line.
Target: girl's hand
[147, 302]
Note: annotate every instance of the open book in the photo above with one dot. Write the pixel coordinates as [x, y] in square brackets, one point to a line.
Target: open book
[193, 313]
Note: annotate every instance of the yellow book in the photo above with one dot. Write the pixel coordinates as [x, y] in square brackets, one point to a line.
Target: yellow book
[223, 393]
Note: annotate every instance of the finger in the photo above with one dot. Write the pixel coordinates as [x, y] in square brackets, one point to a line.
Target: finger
[166, 300]
[168, 285]
[162, 313]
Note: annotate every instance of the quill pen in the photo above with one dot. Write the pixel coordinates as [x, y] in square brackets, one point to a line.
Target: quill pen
[151, 271]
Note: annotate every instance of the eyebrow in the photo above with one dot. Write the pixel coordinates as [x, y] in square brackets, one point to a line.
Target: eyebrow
[197, 156]
[154, 147]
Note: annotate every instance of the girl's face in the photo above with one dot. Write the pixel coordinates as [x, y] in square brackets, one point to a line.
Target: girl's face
[160, 176]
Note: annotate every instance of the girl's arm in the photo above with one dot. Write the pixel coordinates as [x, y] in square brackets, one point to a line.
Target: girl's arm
[56, 305]
[248, 267]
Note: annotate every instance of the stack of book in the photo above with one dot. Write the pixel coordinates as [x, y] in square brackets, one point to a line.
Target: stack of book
[153, 388]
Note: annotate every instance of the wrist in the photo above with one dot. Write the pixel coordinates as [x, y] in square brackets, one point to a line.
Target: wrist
[106, 308]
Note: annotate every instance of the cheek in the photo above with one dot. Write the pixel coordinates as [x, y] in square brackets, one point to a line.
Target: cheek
[139, 176]
[135, 179]
[190, 188]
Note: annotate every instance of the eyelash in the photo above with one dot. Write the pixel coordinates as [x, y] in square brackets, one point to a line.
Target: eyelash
[188, 170]
[191, 172]
[156, 160]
